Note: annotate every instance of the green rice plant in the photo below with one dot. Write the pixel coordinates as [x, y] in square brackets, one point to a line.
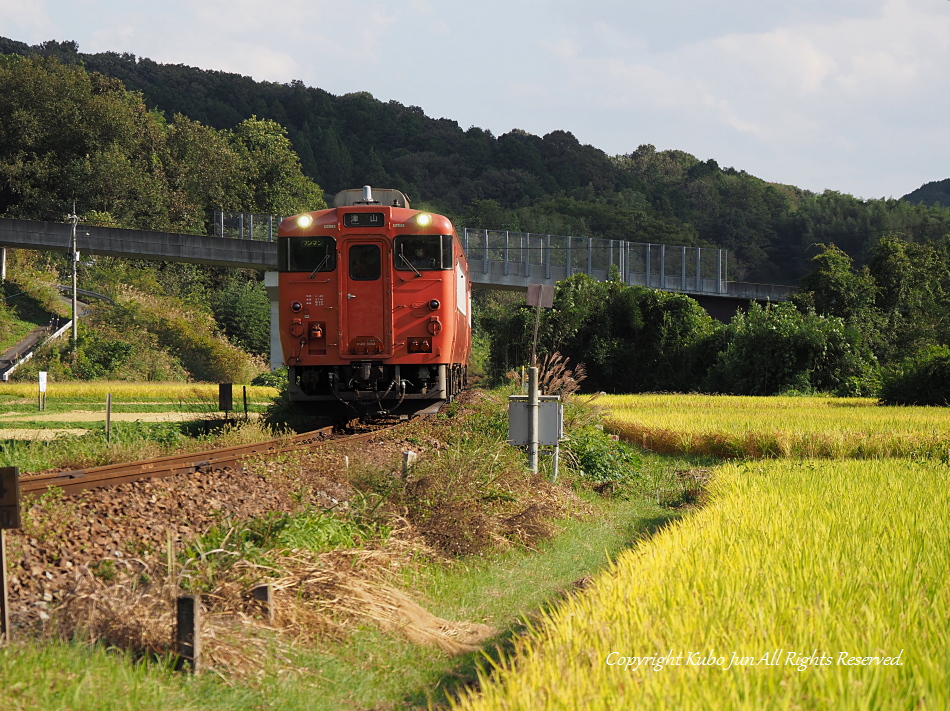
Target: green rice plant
[776, 427]
[804, 584]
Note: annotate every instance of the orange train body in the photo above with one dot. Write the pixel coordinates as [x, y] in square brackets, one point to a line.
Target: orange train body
[374, 303]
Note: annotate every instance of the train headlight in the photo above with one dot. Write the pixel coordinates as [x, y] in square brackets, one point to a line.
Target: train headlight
[304, 221]
[295, 306]
[434, 304]
[423, 219]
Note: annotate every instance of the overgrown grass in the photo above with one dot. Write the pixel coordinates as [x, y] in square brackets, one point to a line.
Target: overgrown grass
[504, 590]
[47, 676]
[799, 569]
[796, 427]
[129, 441]
[212, 556]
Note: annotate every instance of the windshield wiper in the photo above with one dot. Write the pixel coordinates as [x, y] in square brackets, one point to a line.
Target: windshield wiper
[326, 258]
[409, 264]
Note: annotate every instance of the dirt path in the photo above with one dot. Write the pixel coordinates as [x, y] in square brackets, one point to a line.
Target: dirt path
[44, 435]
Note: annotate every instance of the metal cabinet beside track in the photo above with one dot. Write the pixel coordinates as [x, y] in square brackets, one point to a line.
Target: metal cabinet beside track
[550, 420]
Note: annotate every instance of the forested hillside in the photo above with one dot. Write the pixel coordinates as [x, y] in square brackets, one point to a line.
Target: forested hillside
[932, 193]
[519, 181]
[69, 135]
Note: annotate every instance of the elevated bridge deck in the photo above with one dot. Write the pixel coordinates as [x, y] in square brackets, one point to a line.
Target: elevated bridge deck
[497, 259]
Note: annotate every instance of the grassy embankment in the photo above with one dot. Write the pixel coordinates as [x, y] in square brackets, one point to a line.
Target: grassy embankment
[470, 482]
[369, 668]
[805, 583]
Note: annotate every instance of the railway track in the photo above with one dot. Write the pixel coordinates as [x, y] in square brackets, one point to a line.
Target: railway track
[114, 474]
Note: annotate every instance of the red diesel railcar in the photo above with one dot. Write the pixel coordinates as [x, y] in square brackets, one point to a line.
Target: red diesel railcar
[375, 304]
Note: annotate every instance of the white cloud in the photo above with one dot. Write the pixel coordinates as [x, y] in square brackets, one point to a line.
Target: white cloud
[829, 88]
[21, 19]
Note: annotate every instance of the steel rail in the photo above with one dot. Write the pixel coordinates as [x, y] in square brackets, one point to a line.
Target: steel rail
[71, 482]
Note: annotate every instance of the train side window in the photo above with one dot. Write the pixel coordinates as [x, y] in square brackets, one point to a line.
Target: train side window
[422, 252]
[365, 262]
[306, 254]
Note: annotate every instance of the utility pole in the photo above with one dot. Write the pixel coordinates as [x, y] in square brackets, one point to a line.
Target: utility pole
[540, 297]
[74, 218]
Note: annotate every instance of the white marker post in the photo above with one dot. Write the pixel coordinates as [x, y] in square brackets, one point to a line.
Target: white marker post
[41, 403]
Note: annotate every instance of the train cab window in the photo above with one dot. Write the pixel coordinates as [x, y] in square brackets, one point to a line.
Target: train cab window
[422, 252]
[306, 254]
[365, 262]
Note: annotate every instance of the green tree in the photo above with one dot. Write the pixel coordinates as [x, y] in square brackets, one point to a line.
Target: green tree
[66, 134]
[204, 172]
[773, 349]
[912, 282]
[275, 182]
[242, 308]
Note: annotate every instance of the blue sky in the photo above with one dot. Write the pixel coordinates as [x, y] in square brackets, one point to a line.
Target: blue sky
[844, 95]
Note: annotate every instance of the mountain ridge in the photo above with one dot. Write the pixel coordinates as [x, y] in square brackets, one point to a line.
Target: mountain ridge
[519, 181]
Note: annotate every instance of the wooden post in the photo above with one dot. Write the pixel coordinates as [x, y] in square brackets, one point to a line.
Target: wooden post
[225, 400]
[188, 634]
[4, 604]
[264, 594]
[9, 518]
[245, 402]
[108, 417]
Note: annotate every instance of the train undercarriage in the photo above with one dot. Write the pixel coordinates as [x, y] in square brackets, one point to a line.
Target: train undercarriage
[369, 388]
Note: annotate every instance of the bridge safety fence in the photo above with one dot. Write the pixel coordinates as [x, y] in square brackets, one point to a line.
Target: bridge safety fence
[544, 256]
[244, 225]
[508, 257]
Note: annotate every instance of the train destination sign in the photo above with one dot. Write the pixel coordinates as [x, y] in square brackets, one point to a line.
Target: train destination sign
[364, 219]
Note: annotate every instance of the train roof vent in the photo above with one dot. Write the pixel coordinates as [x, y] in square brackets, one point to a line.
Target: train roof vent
[376, 196]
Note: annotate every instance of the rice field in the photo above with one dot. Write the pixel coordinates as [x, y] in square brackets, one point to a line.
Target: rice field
[803, 584]
[132, 391]
[798, 427]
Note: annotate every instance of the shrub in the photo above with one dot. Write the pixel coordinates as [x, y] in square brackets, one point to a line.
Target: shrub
[922, 379]
[599, 459]
[777, 349]
[272, 378]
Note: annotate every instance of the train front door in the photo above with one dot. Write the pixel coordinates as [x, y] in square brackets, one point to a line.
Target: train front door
[366, 299]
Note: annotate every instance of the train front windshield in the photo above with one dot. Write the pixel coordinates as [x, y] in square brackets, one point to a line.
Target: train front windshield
[306, 254]
[422, 252]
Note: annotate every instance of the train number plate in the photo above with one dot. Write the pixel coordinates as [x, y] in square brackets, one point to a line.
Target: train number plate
[366, 345]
